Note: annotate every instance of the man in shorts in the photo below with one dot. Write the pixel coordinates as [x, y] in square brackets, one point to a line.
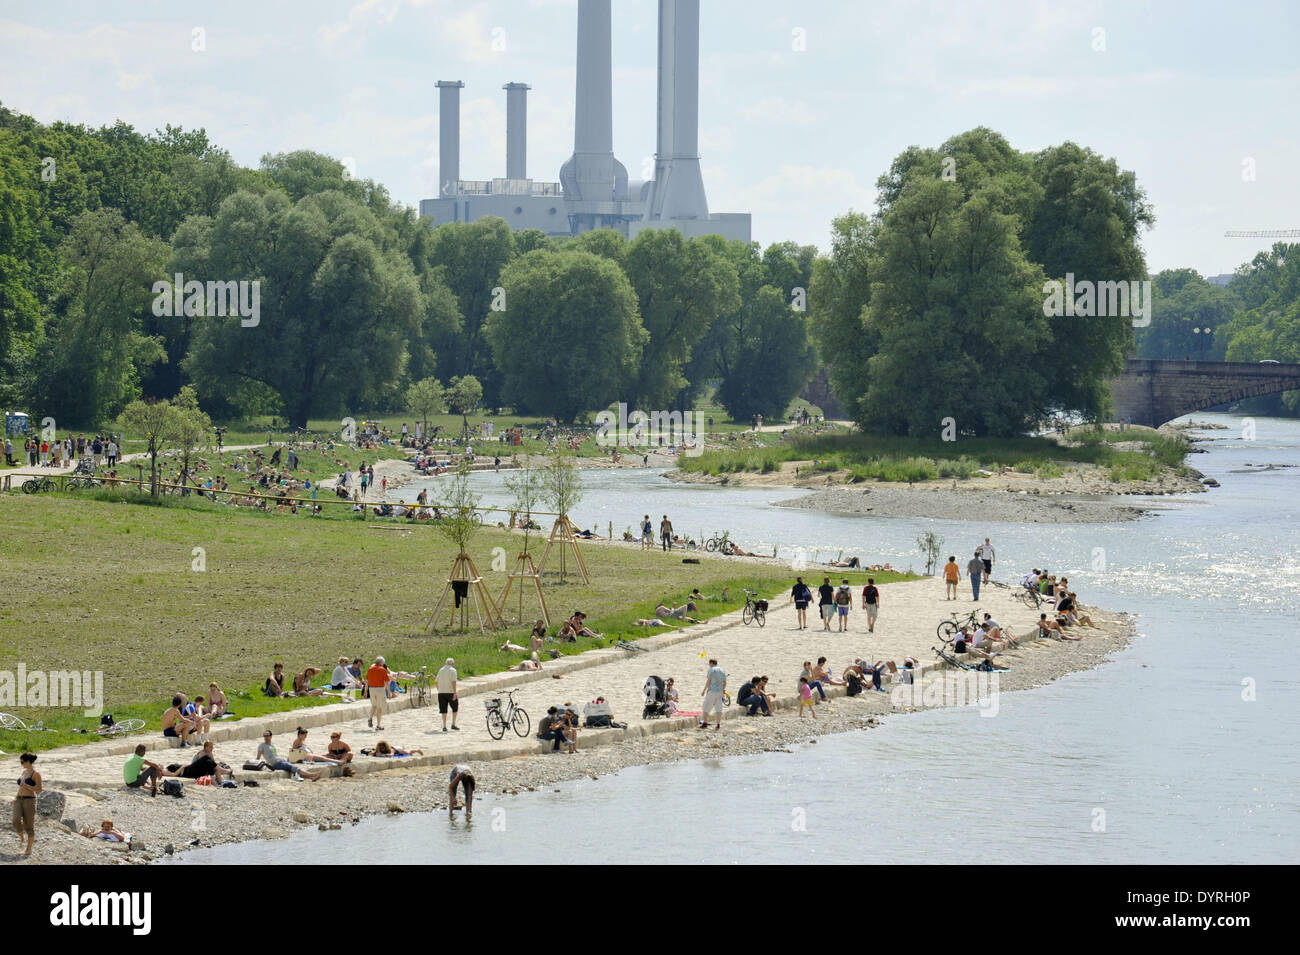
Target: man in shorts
[647, 533]
[843, 601]
[447, 696]
[715, 686]
[987, 555]
[871, 603]
[462, 776]
[826, 602]
[377, 679]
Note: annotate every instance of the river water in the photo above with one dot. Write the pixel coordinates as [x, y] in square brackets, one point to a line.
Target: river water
[1179, 750]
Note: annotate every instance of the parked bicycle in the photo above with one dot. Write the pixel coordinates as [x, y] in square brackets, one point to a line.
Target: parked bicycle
[418, 691]
[755, 610]
[40, 485]
[1030, 597]
[948, 629]
[719, 542]
[513, 716]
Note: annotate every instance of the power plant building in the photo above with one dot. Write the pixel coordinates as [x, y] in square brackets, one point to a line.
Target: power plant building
[593, 191]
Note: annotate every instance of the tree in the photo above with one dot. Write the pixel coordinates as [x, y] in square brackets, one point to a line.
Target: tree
[463, 395]
[841, 289]
[526, 487]
[681, 286]
[460, 503]
[470, 257]
[425, 398]
[562, 486]
[191, 427]
[764, 357]
[336, 305]
[563, 304]
[96, 350]
[158, 422]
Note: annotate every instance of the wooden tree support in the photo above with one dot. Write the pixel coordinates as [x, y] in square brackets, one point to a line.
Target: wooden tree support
[485, 608]
[562, 533]
[524, 570]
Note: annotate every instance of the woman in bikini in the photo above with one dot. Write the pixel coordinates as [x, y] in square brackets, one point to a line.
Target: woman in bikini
[24, 814]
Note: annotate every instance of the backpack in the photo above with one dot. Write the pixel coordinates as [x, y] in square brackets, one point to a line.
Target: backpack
[855, 685]
[843, 598]
[173, 787]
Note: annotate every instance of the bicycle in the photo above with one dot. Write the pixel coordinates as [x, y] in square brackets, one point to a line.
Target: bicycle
[625, 645]
[948, 629]
[513, 716]
[418, 691]
[755, 610]
[40, 485]
[1029, 597]
[77, 483]
[121, 728]
[11, 723]
[719, 542]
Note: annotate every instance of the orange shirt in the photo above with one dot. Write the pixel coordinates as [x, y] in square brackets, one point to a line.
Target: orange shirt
[951, 573]
[377, 676]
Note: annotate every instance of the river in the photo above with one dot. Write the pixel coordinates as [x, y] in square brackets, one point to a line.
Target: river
[1179, 750]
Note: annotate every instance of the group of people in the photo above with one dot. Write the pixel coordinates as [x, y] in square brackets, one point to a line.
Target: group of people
[978, 569]
[835, 603]
[190, 721]
[56, 453]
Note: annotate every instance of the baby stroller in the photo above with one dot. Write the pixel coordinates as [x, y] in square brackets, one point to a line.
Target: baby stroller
[656, 698]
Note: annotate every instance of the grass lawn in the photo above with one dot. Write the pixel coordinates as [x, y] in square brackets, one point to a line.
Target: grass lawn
[96, 584]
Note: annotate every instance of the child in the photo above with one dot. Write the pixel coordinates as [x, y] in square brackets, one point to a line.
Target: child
[806, 698]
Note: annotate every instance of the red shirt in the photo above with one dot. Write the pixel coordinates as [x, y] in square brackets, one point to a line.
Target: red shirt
[377, 675]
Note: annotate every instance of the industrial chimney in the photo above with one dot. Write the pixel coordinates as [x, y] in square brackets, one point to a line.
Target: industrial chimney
[516, 130]
[678, 190]
[592, 174]
[448, 136]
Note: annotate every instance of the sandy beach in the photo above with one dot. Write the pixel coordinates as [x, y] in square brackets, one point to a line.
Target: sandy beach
[89, 777]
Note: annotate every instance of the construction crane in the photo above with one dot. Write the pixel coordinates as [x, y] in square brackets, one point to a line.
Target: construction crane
[1265, 234]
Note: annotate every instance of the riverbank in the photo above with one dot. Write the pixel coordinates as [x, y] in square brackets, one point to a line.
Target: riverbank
[514, 766]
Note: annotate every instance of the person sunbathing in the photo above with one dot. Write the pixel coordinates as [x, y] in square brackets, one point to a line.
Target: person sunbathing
[509, 647]
[382, 748]
[108, 832]
[649, 622]
[678, 613]
[530, 664]
[821, 673]
[1052, 628]
[299, 753]
[578, 622]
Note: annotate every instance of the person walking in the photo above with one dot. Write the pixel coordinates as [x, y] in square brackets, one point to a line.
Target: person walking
[951, 576]
[377, 679]
[666, 533]
[975, 569]
[447, 695]
[24, 814]
[987, 555]
[843, 601]
[826, 602]
[715, 686]
[871, 603]
[802, 596]
[647, 533]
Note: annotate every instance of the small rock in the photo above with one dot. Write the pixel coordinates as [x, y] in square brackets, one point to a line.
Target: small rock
[70, 824]
[51, 803]
[395, 807]
[334, 826]
[301, 816]
[169, 849]
[323, 827]
[274, 834]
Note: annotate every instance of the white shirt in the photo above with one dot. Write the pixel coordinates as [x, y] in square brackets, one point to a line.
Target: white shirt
[341, 675]
[446, 679]
[986, 551]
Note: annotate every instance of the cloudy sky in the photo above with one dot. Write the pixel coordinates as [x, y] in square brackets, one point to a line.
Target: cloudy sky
[803, 104]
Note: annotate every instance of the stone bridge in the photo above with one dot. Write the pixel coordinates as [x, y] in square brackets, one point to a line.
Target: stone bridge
[1153, 392]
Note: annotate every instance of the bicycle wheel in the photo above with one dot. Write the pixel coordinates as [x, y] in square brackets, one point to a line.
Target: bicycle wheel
[128, 726]
[761, 617]
[747, 615]
[711, 545]
[947, 631]
[520, 722]
[496, 725]
[11, 722]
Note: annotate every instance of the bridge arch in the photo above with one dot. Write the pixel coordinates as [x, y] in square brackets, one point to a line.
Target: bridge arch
[1152, 392]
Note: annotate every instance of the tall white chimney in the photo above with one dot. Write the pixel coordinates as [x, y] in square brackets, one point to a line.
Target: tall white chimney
[678, 190]
[592, 173]
[516, 130]
[448, 136]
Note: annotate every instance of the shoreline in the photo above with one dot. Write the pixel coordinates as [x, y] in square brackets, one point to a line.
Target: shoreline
[279, 806]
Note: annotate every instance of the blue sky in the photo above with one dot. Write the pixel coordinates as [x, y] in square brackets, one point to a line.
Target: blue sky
[1183, 93]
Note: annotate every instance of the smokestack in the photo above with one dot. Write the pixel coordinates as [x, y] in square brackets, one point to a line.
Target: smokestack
[592, 173]
[678, 191]
[448, 136]
[516, 130]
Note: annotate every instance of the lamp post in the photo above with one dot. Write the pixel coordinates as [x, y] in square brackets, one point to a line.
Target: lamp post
[1203, 336]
